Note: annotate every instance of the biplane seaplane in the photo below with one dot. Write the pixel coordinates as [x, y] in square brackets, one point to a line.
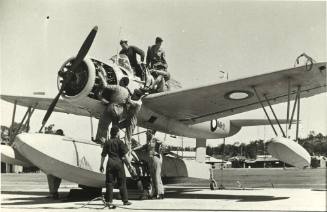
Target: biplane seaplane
[197, 112]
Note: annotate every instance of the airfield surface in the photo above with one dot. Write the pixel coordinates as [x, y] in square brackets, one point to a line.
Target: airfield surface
[28, 192]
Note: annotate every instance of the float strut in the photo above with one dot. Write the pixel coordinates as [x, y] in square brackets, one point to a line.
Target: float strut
[255, 91]
[298, 113]
[294, 106]
[288, 104]
[273, 112]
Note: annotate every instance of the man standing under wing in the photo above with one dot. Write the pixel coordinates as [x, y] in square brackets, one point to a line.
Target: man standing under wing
[153, 150]
[116, 151]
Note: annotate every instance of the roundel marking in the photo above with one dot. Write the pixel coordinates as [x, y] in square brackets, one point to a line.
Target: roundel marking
[213, 125]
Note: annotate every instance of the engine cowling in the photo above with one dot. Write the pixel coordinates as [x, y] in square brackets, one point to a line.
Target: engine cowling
[85, 82]
[81, 83]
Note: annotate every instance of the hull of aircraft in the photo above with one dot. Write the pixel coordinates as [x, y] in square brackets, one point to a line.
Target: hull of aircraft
[79, 161]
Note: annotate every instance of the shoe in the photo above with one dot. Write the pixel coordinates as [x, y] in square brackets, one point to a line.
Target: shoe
[110, 205]
[160, 196]
[127, 203]
[55, 195]
[143, 197]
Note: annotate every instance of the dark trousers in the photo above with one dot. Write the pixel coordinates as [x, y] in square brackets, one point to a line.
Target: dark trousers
[115, 171]
[139, 72]
[113, 113]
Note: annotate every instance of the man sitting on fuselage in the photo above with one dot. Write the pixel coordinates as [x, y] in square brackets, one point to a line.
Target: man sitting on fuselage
[157, 64]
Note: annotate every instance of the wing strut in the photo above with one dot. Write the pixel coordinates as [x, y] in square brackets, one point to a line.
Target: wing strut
[12, 122]
[288, 103]
[27, 123]
[23, 123]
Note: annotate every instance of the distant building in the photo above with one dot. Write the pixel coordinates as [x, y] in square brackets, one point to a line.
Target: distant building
[9, 168]
[318, 161]
[265, 161]
[238, 161]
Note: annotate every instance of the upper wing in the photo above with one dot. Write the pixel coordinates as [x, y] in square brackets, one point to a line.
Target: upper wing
[43, 104]
[205, 103]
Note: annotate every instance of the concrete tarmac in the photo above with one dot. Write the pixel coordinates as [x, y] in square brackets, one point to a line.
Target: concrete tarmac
[28, 192]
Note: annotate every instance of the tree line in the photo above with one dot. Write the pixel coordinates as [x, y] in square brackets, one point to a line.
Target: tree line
[315, 144]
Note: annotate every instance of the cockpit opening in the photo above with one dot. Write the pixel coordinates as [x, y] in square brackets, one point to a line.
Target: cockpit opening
[123, 62]
[110, 75]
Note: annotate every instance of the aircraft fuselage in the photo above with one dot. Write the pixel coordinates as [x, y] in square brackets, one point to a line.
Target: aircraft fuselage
[83, 94]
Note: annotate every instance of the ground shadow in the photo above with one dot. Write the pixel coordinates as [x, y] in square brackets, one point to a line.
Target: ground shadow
[171, 193]
[39, 193]
[184, 193]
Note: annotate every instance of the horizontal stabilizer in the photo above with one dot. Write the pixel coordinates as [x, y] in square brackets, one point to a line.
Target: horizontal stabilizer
[256, 122]
[289, 152]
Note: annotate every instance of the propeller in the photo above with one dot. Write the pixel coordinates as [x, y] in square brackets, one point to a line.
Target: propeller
[70, 73]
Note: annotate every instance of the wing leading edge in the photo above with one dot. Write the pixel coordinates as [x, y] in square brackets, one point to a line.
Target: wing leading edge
[196, 105]
[43, 104]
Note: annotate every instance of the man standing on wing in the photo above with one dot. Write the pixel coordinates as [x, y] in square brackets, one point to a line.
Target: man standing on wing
[131, 52]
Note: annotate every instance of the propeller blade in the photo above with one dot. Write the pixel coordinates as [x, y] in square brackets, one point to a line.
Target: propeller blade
[79, 58]
[84, 48]
[50, 110]
[81, 54]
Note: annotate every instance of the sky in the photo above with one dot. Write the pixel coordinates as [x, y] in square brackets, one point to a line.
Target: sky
[201, 38]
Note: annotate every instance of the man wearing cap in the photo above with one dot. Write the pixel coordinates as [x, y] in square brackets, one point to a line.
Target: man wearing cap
[156, 62]
[116, 151]
[153, 150]
[119, 106]
[130, 52]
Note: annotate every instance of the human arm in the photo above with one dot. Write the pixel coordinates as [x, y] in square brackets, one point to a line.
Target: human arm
[148, 57]
[140, 148]
[124, 153]
[101, 164]
[163, 59]
[160, 72]
[139, 52]
[103, 156]
[161, 148]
